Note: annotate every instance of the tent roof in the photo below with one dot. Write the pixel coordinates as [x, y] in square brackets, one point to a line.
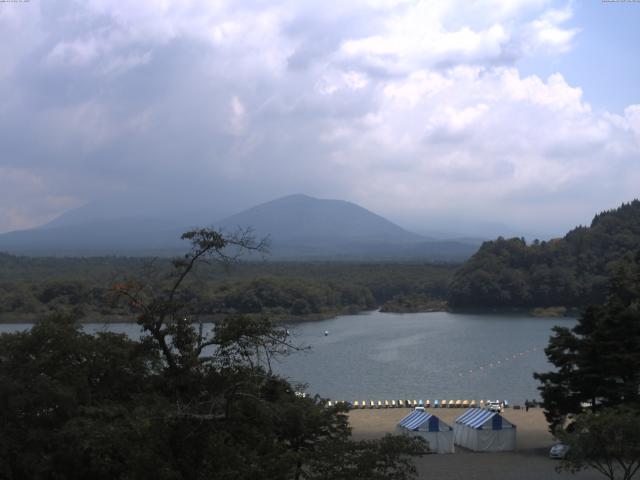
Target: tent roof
[417, 419]
[477, 417]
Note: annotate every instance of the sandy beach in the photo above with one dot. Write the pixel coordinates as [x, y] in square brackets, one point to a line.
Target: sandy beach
[529, 462]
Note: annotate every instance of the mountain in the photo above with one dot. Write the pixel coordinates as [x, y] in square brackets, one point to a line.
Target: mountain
[572, 271]
[171, 212]
[303, 227]
[127, 236]
[300, 218]
[123, 225]
[299, 227]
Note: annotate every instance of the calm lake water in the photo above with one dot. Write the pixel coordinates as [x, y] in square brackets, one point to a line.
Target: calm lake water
[378, 356]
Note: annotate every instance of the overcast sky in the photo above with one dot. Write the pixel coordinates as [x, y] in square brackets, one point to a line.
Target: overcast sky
[524, 112]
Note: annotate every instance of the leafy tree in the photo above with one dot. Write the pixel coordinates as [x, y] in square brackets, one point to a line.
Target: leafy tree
[55, 382]
[607, 441]
[598, 360]
[387, 458]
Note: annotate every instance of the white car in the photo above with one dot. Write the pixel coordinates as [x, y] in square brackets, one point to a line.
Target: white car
[494, 406]
[559, 450]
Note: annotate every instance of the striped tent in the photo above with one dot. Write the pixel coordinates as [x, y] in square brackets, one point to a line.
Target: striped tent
[431, 428]
[484, 431]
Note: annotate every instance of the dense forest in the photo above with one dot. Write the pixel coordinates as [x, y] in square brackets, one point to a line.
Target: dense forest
[572, 271]
[32, 286]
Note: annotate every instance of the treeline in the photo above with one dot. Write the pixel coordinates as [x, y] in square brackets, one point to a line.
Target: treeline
[572, 271]
[31, 286]
[277, 297]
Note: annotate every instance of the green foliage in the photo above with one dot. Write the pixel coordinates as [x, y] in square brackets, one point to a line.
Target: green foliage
[597, 361]
[182, 403]
[572, 271]
[284, 296]
[33, 287]
[387, 458]
[56, 381]
[607, 441]
[413, 303]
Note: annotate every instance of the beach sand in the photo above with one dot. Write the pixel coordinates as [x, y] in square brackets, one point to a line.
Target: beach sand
[530, 460]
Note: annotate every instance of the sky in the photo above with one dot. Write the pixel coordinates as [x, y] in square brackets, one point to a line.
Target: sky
[434, 114]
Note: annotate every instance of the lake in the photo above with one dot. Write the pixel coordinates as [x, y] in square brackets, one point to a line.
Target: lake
[378, 356]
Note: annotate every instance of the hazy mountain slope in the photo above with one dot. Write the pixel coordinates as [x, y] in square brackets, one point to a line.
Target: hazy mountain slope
[121, 226]
[299, 227]
[135, 236]
[150, 210]
[300, 217]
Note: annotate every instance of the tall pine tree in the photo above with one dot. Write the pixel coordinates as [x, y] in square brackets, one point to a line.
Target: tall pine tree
[597, 361]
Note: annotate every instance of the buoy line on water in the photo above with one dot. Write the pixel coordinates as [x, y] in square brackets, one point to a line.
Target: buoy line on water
[509, 359]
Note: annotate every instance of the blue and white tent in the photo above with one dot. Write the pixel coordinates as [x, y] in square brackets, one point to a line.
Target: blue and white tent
[484, 431]
[431, 428]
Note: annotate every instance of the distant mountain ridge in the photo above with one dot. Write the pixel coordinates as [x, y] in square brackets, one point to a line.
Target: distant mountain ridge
[300, 227]
[295, 217]
[303, 227]
[572, 271]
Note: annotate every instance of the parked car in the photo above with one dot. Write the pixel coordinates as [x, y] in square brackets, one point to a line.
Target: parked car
[559, 450]
[494, 406]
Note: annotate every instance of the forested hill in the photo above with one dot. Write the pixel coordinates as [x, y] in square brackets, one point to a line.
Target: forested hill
[572, 271]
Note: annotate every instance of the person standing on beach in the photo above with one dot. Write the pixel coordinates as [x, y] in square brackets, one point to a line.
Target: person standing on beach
[526, 405]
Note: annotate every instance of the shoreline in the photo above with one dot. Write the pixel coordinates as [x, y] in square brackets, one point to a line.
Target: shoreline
[30, 319]
[20, 319]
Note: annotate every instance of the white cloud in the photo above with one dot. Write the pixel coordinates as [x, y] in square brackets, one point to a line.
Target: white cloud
[546, 32]
[77, 52]
[238, 114]
[404, 106]
[467, 138]
[428, 34]
[632, 117]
